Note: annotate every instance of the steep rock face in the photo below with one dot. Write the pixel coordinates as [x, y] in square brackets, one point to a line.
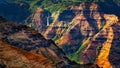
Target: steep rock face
[84, 31]
[38, 20]
[114, 52]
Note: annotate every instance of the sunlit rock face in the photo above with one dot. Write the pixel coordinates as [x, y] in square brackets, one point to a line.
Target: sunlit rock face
[84, 32]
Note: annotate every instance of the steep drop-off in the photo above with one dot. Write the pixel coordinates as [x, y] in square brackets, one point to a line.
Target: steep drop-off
[83, 31]
[86, 32]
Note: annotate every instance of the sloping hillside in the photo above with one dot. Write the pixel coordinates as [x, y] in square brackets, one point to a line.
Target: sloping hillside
[83, 32]
[23, 47]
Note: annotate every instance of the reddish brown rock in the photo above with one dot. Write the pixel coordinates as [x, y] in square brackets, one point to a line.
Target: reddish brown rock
[12, 57]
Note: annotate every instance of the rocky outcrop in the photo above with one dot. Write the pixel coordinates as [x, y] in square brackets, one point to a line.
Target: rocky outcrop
[114, 51]
[84, 31]
[23, 47]
[30, 43]
[27, 39]
[12, 57]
